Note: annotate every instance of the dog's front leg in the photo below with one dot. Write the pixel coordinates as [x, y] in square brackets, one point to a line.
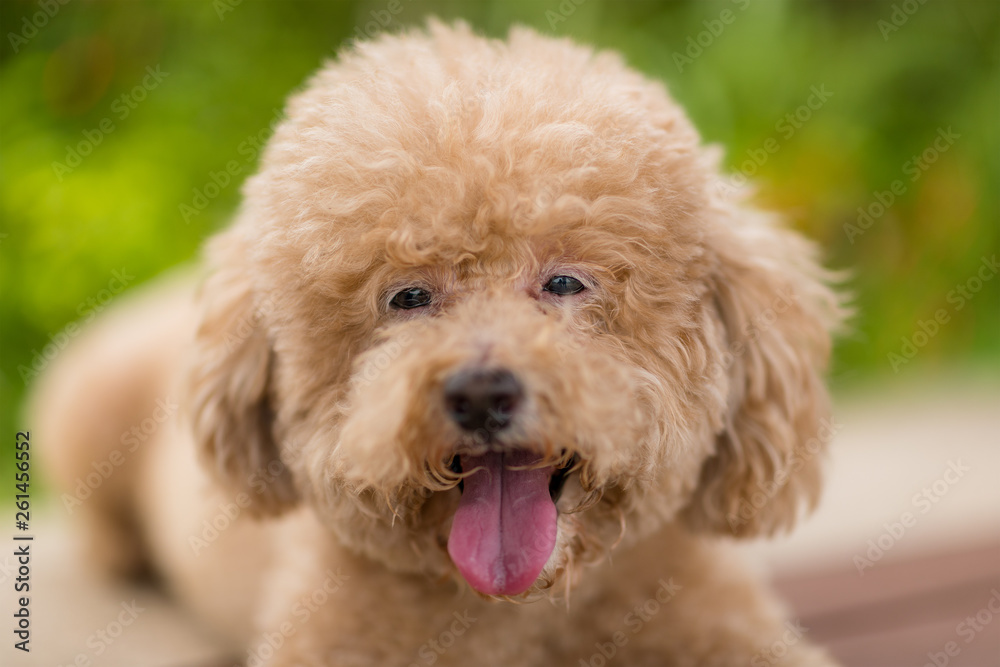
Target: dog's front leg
[324, 606]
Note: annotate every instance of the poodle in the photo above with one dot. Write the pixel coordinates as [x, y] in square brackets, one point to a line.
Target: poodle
[490, 369]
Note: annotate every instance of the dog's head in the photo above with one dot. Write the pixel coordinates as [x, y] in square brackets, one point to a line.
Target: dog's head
[488, 307]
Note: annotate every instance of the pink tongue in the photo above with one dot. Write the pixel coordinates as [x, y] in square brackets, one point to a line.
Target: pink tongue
[505, 527]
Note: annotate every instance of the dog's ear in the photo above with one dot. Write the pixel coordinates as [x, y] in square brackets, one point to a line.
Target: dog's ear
[229, 386]
[776, 312]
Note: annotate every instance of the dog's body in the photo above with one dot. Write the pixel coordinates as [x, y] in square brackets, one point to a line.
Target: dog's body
[472, 330]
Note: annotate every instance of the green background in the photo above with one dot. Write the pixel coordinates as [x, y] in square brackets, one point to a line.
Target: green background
[227, 66]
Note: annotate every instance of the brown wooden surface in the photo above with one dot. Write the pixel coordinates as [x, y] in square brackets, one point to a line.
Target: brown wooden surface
[905, 613]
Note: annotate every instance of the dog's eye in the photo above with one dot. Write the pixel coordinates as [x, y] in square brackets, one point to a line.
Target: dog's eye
[564, 285]
[412, 297]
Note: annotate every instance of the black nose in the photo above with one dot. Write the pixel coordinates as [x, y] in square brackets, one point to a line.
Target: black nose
[482, 399]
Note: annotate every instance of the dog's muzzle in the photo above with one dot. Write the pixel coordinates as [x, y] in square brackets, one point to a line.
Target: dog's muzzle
[505, 527]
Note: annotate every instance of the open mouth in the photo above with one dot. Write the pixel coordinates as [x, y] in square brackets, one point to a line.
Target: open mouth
[504, 529]
[556, 482]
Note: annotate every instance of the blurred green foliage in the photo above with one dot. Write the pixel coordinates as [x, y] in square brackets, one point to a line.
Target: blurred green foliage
[161, 95]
